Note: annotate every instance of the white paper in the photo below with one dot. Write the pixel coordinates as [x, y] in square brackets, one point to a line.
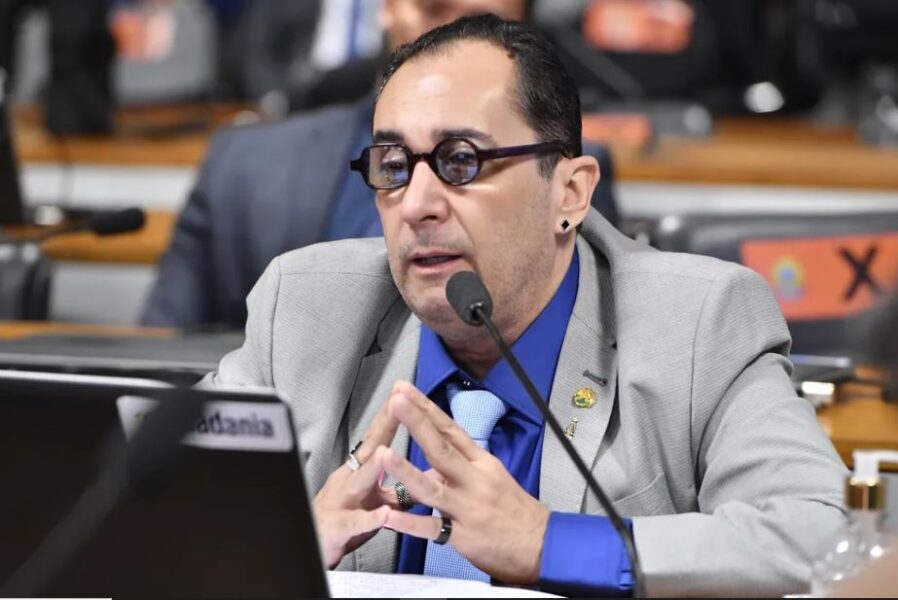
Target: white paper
[349, 584]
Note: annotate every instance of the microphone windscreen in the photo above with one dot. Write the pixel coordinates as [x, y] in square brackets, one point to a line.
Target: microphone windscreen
[465, 292]
[122, 221]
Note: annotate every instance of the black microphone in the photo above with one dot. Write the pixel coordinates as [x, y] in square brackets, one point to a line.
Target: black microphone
[467, 295]
[471, 300]
[101, 223]
[122, 221]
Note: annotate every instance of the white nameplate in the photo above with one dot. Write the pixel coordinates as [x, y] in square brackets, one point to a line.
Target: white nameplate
[225, 425]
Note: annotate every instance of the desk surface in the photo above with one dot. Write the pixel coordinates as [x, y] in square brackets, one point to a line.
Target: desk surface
[860, 419]
[765, 152]
[17, 330]
[179, 137]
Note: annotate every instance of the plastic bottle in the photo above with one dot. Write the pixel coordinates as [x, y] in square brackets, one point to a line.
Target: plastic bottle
[862, 539]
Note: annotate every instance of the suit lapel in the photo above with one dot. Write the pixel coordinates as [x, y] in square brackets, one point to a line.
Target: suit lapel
[588, 359]
[395, 359]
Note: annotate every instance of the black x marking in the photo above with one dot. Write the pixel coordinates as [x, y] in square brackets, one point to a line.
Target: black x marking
[861, 272]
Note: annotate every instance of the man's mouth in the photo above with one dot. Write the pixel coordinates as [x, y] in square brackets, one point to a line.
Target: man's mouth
[429, 261]
[434, 260]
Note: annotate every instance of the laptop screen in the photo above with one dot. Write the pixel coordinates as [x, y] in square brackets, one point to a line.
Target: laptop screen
[11, 211]
[228, 518]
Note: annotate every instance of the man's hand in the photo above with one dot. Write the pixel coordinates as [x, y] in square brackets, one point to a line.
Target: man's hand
[352, 506]
[495, 523]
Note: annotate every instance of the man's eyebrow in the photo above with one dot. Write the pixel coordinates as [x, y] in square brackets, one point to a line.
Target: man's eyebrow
[467, 133]
[388, 136]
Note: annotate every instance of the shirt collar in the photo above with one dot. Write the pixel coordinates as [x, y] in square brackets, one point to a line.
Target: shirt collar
[537, 350]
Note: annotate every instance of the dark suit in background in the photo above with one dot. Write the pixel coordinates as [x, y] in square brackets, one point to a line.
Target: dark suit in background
[264, 190]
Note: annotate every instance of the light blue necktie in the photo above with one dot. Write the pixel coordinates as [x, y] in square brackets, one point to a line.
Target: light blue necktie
[477, 412]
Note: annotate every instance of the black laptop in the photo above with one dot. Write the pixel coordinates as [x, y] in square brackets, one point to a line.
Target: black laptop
[11, 208]
[229, 517]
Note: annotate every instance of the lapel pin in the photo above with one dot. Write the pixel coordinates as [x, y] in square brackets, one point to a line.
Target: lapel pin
[571, 429]
[585, 398]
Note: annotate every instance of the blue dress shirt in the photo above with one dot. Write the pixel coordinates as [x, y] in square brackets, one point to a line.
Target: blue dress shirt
[582, 554]
[354, 213]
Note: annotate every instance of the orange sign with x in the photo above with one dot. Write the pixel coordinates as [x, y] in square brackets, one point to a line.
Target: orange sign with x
[825, 278]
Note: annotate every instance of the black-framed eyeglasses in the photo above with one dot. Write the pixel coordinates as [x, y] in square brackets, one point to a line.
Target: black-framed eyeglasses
[456, 161]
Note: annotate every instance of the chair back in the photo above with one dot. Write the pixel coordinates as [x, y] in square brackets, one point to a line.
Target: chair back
[25, 276]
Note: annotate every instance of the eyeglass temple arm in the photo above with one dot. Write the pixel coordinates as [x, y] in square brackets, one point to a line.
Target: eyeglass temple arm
[519, 150]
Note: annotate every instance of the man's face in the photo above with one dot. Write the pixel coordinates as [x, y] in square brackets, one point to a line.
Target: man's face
[499, 225]
[406, 20]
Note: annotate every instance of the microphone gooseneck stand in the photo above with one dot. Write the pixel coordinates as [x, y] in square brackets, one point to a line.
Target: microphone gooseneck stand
[470, 299]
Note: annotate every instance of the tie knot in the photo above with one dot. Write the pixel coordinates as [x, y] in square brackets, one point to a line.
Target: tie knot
[475, 411]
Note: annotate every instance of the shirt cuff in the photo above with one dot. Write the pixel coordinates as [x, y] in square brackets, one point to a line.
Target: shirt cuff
[584, 556]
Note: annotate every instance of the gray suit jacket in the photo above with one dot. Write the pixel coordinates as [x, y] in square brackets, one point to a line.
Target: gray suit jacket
[697, 434]
[264, 190]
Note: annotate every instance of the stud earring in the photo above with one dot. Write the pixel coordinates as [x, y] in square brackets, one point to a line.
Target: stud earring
[564, 225]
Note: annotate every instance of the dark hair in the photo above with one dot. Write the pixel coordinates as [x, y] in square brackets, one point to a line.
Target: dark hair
[545, 94]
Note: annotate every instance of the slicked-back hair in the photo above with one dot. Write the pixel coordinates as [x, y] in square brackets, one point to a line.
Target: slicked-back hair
[545, 94]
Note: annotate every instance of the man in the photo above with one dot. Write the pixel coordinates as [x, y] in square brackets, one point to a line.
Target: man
[669, 369]
[267, 189]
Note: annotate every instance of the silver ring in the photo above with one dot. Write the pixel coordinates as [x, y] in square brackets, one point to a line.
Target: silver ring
[403, 495]
[351, 460]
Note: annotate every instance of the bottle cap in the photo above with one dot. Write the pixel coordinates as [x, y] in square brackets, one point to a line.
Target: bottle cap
[865, 494]
[865, 489]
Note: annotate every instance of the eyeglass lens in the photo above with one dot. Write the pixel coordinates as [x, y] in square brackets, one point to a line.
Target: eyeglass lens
[456, 161]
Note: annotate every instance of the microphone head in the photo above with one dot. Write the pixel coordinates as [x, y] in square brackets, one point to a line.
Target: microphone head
[121, 221]
[466, 293]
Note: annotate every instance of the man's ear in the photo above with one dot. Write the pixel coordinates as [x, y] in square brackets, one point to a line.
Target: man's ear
[579, 177]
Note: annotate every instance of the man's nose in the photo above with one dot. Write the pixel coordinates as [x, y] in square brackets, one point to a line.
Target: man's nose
[424, 197]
